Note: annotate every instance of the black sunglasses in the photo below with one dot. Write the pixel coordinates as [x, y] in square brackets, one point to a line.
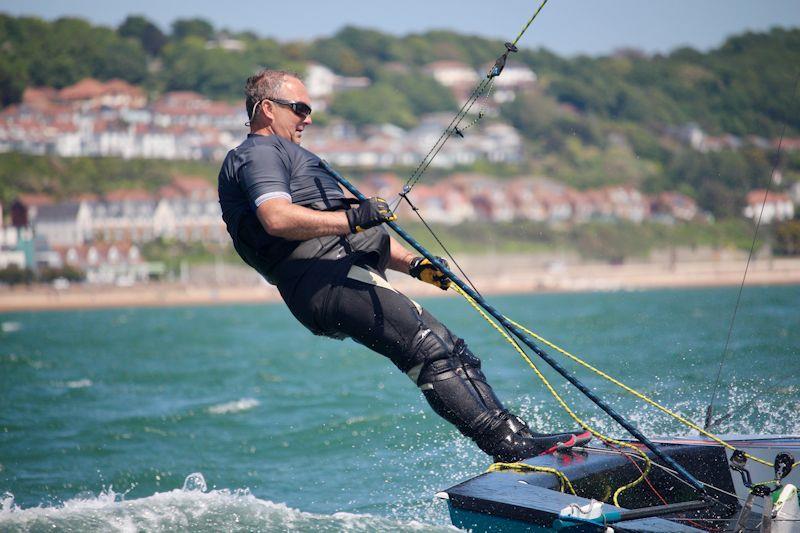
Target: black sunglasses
[299, 108]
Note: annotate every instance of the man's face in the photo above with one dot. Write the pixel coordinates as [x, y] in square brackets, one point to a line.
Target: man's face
[285, 122]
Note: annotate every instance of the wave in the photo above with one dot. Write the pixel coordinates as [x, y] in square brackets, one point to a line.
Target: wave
[748, 407]
[237, 406]
[10, 326]
[79, 383]
[191, 508]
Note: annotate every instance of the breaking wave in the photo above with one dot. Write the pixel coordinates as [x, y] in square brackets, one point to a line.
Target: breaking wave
[191, 508]
[79, 383]
[238, 406]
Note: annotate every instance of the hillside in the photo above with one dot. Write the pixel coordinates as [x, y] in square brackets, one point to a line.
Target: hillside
[587, 122]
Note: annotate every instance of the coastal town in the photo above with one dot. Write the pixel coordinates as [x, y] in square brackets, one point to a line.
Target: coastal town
[100, 236]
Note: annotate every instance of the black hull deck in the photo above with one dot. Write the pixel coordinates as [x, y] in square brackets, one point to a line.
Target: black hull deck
[531, 501]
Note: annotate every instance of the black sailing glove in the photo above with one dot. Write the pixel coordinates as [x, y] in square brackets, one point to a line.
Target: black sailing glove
[424, 270]
[370, 213]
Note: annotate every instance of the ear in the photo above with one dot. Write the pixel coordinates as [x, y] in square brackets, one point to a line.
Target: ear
[268, 109]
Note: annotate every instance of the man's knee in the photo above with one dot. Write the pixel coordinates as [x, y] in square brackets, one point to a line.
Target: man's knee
[437, 359]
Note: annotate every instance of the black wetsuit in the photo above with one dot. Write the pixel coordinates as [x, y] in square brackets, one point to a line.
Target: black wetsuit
[336, 286]
[312, 276]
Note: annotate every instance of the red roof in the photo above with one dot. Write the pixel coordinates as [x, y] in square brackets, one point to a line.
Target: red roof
[89, 88]
[84, 89]
[177, 102]
[187, 184]
[36, 95]
[168, 191]
[757, 197]
[129, 195]
[182, 96]
[85, 197]
[31, 200]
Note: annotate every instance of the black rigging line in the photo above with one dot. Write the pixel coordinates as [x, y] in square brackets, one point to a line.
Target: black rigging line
[415, 209]
[453, 128]
[710, 409]
[476, 93]
[449, 131]
[483, 89]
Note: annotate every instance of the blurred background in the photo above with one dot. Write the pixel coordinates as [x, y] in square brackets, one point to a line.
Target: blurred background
[621, 133]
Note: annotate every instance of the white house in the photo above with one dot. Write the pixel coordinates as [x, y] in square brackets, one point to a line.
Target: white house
[64, 224]
[320, 81]
[452, 73]
[777, 207]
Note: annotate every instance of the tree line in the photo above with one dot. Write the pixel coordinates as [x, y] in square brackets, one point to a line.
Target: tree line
[742, 87]
[589, 121]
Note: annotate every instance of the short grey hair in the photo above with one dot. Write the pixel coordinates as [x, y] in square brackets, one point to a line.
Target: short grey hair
[263, 85]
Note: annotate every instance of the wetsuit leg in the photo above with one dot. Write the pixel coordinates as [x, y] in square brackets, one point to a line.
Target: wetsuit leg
[364, 307]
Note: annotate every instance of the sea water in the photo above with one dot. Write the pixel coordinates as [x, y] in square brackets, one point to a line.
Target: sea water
[234, 418]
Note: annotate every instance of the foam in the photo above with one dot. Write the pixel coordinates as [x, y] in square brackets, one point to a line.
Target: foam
[243, 404]
[79, 383]
[10, 326]
[189, 509]
[754, 412]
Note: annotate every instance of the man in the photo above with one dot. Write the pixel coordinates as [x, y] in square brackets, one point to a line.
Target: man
[290, 221]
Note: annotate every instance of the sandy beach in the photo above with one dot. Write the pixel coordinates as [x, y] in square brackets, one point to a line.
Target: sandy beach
[491, 274]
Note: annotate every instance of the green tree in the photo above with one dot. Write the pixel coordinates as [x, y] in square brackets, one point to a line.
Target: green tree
[148, 34]
[380, 103]
[68, 272]
[787, 238]
[218, 73]
[368, 43]
[14, 275]
[194, 27]
[424, 94]
[12, 80]
[337, 56]
[62, 52]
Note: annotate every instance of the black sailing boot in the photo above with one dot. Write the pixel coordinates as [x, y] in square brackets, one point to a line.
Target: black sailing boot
[457, 390]
[508, 439]
[471, 367]
[582, 436]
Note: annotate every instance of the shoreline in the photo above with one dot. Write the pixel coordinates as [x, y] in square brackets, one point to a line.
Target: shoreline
[493, 275]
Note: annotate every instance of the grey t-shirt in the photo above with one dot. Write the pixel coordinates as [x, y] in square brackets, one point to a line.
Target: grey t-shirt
[262, 168]
[266, 167]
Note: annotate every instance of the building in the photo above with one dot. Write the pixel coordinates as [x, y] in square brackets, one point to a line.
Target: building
[452, 74]
[118, 263]
[513, 79]
[124, 215]
[94, 118]
[189, 210]
[322, 83]
[627, 203]
[776, 206]
[64, 224]
[670, 206]
[25, 208]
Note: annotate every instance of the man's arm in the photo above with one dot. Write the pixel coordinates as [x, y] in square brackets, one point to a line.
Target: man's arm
[402, 260]
[399, 257]
[281, 218]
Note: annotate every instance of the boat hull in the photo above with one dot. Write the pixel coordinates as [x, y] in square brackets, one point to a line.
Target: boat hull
[531, 501]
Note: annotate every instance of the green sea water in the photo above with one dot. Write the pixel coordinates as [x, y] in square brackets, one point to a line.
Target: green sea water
[235, 418]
